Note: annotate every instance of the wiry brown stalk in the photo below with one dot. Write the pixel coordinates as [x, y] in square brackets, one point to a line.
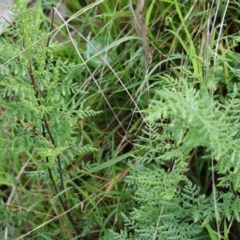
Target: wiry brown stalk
[46, 131]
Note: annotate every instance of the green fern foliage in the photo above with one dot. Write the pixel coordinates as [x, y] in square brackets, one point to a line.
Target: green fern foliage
[38, 118]
[172, 199]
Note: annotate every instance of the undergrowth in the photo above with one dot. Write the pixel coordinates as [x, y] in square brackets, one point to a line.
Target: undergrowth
[119, 120]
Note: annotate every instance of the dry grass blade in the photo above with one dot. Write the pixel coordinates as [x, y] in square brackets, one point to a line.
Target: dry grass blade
[141, 30]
